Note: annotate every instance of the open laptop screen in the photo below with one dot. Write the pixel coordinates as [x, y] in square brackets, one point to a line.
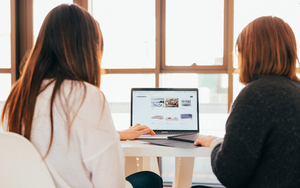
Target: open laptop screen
[165, 109]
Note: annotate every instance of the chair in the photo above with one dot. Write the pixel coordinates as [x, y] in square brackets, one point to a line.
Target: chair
[21, 165]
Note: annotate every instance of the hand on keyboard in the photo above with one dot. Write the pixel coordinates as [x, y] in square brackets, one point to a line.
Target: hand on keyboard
[134, 132]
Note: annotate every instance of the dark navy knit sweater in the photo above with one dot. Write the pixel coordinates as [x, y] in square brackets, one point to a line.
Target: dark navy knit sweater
[261, 147]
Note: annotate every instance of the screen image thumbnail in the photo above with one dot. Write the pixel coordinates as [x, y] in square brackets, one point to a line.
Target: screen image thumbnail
[186, 102]
[159, 117]
[172, 102]
[157, 102]
[186, 116]
[171, 118]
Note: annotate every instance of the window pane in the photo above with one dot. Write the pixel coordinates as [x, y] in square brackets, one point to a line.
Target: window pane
[40, 9]
[194, 32]
[128, 29]
[5, 86]
[247, 10]
[117, 90]
[5, 34]
[213, 97]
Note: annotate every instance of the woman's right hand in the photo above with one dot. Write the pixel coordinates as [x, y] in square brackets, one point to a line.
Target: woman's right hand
[135, 131]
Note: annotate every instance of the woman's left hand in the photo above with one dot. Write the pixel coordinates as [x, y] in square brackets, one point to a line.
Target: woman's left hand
[205, 141]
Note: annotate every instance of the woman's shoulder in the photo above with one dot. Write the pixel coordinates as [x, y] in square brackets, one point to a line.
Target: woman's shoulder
[80, 97]
[270, 89]
[273, 84]
[273, 81]
[87, 102]
[82, 89]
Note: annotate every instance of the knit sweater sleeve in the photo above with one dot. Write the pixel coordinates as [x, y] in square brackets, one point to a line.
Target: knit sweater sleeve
[235, 160]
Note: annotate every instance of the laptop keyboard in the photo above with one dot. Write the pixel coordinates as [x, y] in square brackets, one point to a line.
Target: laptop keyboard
[171, 133]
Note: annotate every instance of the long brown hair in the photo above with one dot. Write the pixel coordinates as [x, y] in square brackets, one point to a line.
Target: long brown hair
[69, 46]
[267, 45]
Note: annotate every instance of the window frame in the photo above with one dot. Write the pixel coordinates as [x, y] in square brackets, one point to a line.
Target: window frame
[21, 35]
[160, 64]
[22, 40]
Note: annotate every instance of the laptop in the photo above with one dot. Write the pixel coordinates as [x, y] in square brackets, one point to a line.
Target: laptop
[167, 111]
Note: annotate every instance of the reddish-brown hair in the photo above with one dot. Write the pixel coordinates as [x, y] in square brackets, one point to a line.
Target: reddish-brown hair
[267, 45]
[69, 46]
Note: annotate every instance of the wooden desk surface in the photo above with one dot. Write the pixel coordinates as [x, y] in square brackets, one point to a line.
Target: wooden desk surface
[142, 148]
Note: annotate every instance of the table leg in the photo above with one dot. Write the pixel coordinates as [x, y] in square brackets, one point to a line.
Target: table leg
[130, 165]
[149, 164]
[184, 167]
[136, 164]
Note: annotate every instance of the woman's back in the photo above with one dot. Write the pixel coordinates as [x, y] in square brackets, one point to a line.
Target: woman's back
[263, 130]
[280, 135]
[84, 138]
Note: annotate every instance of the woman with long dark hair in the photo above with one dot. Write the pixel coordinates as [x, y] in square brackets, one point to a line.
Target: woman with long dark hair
[58, 106]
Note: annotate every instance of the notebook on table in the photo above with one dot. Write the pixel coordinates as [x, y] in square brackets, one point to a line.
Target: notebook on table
[167, 111]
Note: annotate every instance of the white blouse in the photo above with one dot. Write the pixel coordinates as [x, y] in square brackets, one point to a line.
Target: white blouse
[85, 150]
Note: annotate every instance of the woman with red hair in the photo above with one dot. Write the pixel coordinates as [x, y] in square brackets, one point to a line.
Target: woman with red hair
[261, 147]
